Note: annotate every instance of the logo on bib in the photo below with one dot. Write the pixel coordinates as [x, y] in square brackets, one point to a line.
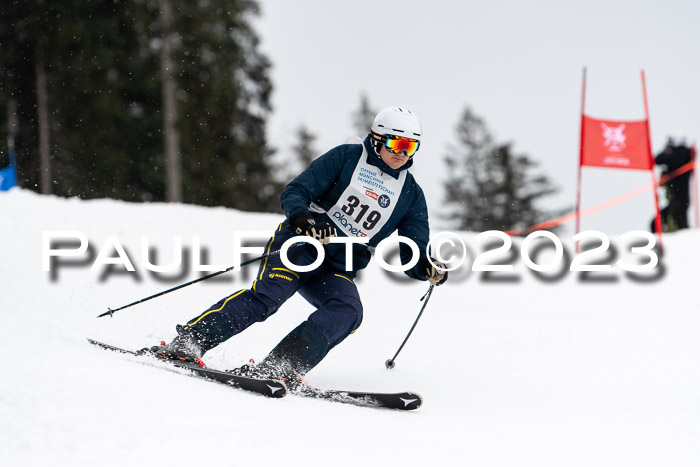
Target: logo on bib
[371, 194]
[349, 227]
[384, 201]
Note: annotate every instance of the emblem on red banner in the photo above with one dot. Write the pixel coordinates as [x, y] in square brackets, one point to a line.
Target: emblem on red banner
[614, 137]
[610, 143]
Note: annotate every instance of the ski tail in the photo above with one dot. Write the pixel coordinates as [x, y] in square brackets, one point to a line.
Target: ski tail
[267, 387]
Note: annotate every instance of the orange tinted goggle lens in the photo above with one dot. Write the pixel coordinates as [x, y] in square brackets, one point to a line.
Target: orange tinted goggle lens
[396, 144]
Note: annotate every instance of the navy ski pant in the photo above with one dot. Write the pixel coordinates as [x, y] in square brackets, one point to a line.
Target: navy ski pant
[338, 307]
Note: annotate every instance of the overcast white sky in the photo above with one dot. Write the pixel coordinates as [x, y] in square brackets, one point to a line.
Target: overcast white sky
[516, 63]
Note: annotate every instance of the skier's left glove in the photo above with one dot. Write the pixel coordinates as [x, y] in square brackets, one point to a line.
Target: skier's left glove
[303, 223]
[436, 275]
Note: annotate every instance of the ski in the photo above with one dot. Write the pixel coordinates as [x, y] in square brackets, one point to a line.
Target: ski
[398, 400]
[267, 387]
[275, 388]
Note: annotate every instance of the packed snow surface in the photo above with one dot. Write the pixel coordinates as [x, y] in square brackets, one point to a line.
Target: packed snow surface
[562, 369]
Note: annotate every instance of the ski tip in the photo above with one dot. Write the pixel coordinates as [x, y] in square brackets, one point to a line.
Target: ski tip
[411, 401]
[277, 390]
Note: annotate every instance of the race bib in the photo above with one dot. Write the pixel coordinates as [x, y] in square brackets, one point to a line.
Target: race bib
[368, 201]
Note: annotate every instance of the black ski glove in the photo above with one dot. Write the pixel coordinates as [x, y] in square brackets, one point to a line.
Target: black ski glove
[303, 223]
[436, 276]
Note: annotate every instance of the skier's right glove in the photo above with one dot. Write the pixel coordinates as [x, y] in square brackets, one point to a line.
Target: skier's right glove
[303, 223]
[436, 275]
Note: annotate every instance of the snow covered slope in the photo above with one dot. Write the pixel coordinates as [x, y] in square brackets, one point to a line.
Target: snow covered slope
[524, 371]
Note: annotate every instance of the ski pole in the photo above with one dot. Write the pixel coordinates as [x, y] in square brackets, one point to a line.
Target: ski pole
[390, 363]
[111, 312]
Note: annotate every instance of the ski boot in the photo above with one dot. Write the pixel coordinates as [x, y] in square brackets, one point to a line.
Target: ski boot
[186, 347]
[279, 371]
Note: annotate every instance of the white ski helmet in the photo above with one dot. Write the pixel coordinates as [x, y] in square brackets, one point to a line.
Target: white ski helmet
[397, 121]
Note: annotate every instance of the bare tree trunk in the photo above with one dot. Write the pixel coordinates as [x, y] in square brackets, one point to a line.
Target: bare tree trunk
[12, 122]
[42, 104]
[168, 88]
[12, 128]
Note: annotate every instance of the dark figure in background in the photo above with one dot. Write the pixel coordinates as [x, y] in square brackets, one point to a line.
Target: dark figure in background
[674, 156]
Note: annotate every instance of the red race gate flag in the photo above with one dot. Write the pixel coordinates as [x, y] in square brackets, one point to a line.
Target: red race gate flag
[616, 144]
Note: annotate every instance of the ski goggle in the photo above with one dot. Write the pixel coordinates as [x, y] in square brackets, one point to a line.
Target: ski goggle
[397, 144]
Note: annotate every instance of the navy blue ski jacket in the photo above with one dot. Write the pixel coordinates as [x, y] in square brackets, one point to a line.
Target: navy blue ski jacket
[325, 180]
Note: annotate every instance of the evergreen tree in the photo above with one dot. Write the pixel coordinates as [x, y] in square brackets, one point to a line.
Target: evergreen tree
[106, 100]
[490, 187]
[225, 99]
[304, 147]
[18, 44]
[105, 104]
[362, 118]
[303, 152]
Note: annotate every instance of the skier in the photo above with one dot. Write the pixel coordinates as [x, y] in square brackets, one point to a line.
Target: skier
[352, 190]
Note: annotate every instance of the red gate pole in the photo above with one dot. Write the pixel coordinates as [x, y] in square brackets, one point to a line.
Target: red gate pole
[580, 158]
[657, 221]
[696, 201]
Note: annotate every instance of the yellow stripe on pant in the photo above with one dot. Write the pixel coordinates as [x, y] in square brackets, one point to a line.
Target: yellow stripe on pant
[218, 309]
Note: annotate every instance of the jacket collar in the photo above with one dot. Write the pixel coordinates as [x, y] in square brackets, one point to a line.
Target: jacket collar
[373, 159]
